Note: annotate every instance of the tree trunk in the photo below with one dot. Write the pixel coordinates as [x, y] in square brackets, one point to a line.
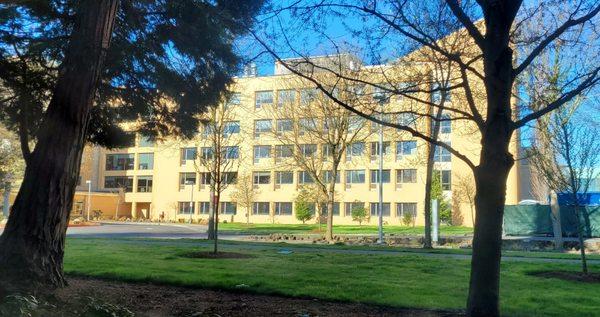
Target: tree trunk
[32, 245]
[331, 200]
[580, 229]
[216, 224]
[211, 216]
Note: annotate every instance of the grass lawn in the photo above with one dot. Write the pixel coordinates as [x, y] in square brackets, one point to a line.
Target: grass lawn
[407, 280]
[243, 228]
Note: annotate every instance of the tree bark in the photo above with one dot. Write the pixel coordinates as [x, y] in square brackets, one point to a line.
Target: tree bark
[32, 245]
[330, 203]
[211, 216]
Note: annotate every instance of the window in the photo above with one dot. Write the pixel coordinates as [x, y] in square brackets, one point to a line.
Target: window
[354, 150]
[205, 178]
[234, 99]
[283, 209]
[406, 176]
[144, 184]
[286, 97]
[304, 177]
[284, 177]
[336, 209]
[326, 151]
[118, 182]
[355, 123]
[263, 98]
[186, 208]
[188, 154]
[327, 176]
[229, 177]
[387, 117]
[308, 95]
[119, 162]
[285, 125]
[262, 126]
[261, 152]
[231, 127]
[206, 153]
[355, 176]
[403, 209]
[308, 150]
[406, 148]
[375, 176]
[350, 206]
[283, 151]
[441, 154]
[446, 179]
[261, 178]
[228, 208]
[375, 209]
[261, 208]
[407, 119]
[445, 124]
[186, 179]
[146, 161]
[307, 124]
[204, 207]
[146, 141]
[231, 152]
[208, 129]
[375, 148]
[381, 95]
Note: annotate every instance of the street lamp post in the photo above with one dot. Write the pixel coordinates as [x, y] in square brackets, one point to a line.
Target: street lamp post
[380, 178]
[89, 198]
[191, 201]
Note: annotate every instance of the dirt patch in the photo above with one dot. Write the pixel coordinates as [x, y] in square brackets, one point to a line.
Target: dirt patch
[154, 300]
[569, 276]
[218, 255]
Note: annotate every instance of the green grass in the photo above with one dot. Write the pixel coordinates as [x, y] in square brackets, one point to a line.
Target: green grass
[405, 280]
[260, 229]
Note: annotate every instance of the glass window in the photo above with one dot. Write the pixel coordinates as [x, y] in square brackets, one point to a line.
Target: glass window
[406, 176]
[380, 94]
[118, 182]
[308, 95]
[234, 99]
[283, 151]
[187, 179]
[308, 150]
[283, 208]
[186, 208]
[229, 177]
[355, 123]
[336, 209]
[375, 148]
[375, 176]
[387, 117]
[204, 207]
[263, 98]
[228, 208]
[406, 209]
[146, 141]
[231, 152]
[188, 154]
[263, 177]
[144, 184]
[261, 152]
[446, 179]
[407, 119]
[327, 176]
[354, 150]
[326, 150]
[304, 177]
[441, 154]
[231, 127]
[355, 176]
[146, 161]
[205, 178]
[445, 124]
[261, 208]
[120, 162]
[285, 177]
[308, 124]
[286, 97]
[375, 209]
[406, 148]
[262, 126]
[285, 125]
[206, 153]
[352, 205]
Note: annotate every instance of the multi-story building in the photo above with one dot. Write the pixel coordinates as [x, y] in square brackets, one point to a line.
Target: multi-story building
[160, 179]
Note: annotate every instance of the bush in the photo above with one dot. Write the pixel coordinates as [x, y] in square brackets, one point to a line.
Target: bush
[408, 219]
[303, 212]
[359, 213]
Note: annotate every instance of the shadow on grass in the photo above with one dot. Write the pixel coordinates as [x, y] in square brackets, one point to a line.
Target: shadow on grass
[573, 276]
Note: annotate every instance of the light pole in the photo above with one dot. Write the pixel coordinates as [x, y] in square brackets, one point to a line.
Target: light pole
[89, 198]
[381, 98]
[191, 200]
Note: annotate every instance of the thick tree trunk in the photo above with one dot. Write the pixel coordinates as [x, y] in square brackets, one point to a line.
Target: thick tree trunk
[330, 202]
[32, 245]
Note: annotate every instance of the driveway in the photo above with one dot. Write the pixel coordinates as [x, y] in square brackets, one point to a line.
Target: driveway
[139, 230]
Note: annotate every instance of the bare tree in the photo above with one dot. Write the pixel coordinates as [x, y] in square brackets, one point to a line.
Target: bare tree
[218, 160]
[464, 192]
[315, 132]
[484, 71]
[244, 194]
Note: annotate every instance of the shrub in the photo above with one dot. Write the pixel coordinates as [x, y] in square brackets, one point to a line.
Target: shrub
[303, 211]
[408, 219]
[359, 213]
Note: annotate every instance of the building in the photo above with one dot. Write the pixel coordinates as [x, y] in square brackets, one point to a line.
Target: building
[159, 179]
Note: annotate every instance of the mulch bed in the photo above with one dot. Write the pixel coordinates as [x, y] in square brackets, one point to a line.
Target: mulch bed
[154, 300]
[569, 276]
[218, 255]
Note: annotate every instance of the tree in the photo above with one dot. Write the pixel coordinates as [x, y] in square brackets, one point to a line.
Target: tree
[359, 213]
[464, 192]
[315, 132]
[437, 193]
[484, 67]
[303, 211]
[99, 63]
[245, 194]
[218, 161]
[11, 165]
[567, 159]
